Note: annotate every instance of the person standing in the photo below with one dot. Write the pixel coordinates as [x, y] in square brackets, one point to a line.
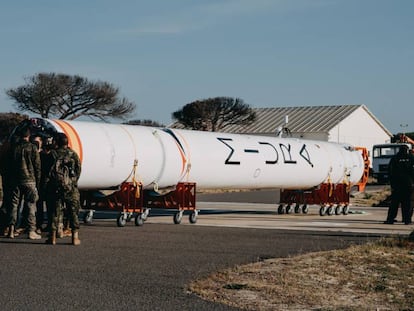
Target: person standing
[45, 168]
[64, 191]
[401, 174]
[7, 182]
[25, 169]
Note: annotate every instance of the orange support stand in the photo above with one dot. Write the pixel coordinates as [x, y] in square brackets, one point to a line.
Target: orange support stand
[324, 194]
[183, 198]
[364, 179]
[128, 198]
[132, 200]
[327, 195]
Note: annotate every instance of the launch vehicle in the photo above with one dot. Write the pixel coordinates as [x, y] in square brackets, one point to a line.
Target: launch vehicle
[165, 160]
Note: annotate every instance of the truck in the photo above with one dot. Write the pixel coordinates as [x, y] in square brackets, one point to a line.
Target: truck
[382, 154]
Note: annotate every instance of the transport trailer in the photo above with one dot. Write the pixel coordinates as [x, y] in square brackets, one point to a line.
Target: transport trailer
[132, 202]
[332, 198]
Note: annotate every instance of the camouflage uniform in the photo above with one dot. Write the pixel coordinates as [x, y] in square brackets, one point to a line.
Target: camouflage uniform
[65, 199]
[25, 169]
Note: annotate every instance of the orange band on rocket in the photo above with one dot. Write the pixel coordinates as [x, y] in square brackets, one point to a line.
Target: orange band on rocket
[73, 137]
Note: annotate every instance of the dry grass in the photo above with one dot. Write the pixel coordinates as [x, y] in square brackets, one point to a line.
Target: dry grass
[378, 197]
[375, 276]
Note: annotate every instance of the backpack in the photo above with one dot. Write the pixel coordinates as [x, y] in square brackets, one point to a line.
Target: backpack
[61, 174]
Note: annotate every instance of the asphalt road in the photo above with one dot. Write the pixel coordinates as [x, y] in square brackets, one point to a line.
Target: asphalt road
[148, 267]
[139, 268]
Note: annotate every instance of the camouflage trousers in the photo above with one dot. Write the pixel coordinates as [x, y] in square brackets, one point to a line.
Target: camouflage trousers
[28, 193]
[70, 202]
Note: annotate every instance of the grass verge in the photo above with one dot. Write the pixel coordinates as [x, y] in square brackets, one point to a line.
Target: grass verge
[373, 276]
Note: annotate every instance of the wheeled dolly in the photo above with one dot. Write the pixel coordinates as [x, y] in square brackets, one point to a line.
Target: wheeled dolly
[332, 198]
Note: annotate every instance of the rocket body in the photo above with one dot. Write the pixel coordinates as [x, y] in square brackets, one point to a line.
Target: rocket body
[160, 158]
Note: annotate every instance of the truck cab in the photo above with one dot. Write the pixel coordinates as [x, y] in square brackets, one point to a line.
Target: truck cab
[381, 156]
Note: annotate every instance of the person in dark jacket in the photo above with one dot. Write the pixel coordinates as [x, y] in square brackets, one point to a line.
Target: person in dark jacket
[45, 149]
[401, 174]
[25, 169]
[6, 179]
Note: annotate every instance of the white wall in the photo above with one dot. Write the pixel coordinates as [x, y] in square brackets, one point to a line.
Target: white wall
[312, 135]
[359, 129]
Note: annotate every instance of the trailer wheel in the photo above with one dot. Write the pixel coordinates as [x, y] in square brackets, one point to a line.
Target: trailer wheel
[305, 209]
[330, 210]
[297, 208]
[338, 210]
[345, 210]
[280, 209]
[139, 220]
[288, 209]
[145, 214]
[121, 220]
[193, 217]
[178, 217]
[322, 210]
[128, 216]
[88, 217]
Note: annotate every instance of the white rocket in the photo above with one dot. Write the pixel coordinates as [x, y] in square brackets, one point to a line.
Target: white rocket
[160, 158]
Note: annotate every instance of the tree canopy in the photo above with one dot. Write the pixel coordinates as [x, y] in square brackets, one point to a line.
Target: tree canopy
[213, 114]
[8, 121]
[69, 97]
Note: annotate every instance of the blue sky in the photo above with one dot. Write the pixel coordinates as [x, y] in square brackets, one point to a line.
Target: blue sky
[163, 54]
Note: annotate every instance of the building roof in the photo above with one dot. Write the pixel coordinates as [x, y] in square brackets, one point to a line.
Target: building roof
[300, 119]
[307, 119]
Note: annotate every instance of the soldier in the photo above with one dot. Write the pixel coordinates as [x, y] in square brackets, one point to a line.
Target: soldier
[63, 189]
[46, 166]
[25, 169]
[401, 172]
[6, 178]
